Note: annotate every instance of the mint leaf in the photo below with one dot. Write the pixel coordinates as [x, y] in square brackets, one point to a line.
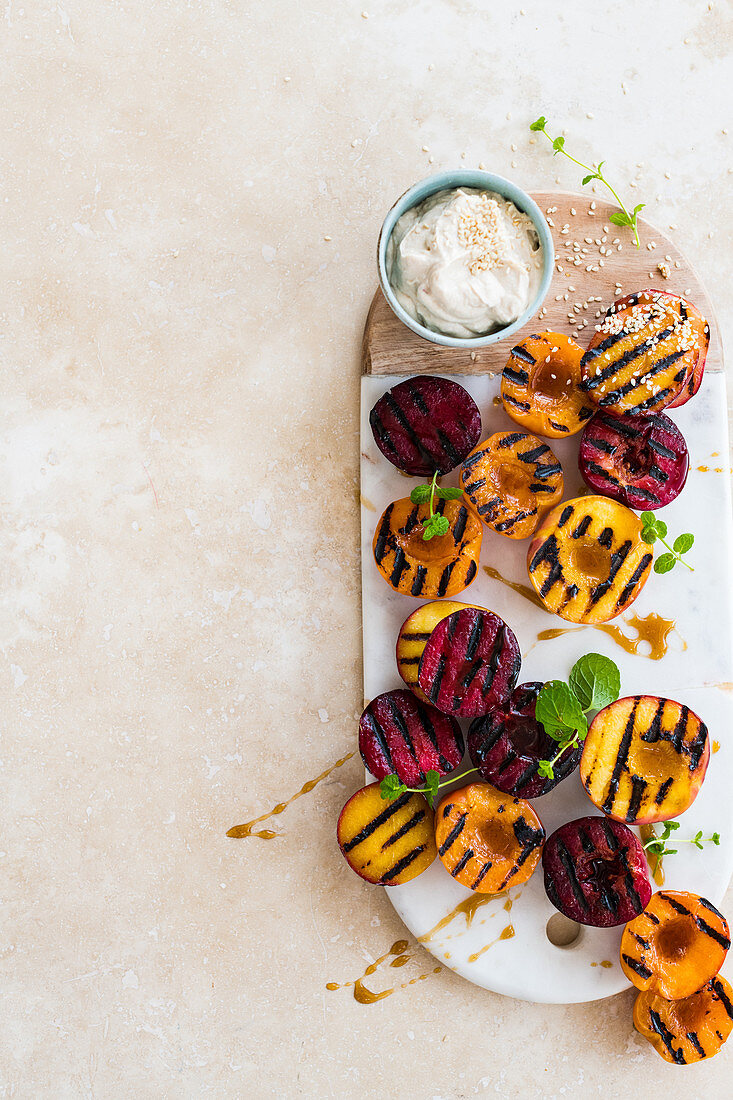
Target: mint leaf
[665, 563]
[448, 493]
[648, 519]
[619, 218]
[638, 208]
[595, 680]
[649, 535]
[683, 543]
[661, 528]
[545, 769]
[420, 494]
[558, 144]
[587, 179]
[435, 525]
[559, 712]
[538, 124]
[432, 782]
[391, 786]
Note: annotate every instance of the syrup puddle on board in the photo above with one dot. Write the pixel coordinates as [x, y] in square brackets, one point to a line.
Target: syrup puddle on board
[239, 831]
[716, 746]
[398, 956]
[605, 963]
[646, 832]
[466, 908]
[714, 469]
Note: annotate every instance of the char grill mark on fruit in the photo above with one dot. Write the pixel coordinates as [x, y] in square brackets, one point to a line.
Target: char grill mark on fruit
[677, 1056]
[638, 787]
[528, 456]
[621, 758]
[404, 829]
[408, 429]
[724, 999]
[377, 821]
[519, 377]
[468, 854]
[593, 353]
[523, 406]
[453, 834]
[634, 580]
[482, 874]
[417, 585]
[384, 533]
[380, 738]
[474, 485]
[402, 864]
[520, 352]
[464, 681]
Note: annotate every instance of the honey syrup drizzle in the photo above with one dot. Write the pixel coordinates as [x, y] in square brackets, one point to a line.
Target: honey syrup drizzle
[646, 833]
[606, 963]
[467, 908]
[716, 746]
[652, 628]
[398, 956]
[522, 589]
[506, 934]
[239, 831]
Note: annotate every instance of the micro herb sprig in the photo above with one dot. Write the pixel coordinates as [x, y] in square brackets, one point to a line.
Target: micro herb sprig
[562, 709]
[623, 217]
[653, 529]
[435, 524]
[657, 845]
[391, 786]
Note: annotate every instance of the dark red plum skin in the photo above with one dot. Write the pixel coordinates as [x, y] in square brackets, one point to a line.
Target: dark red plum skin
[507, 744]
[470, 663]
[596, 872]
[426, 424]
[641, 461]
[399, 734]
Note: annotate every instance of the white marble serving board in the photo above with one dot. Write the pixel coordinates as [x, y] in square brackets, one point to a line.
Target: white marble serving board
[527, 965]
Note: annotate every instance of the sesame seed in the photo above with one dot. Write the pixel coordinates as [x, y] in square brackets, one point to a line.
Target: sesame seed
[327, 238]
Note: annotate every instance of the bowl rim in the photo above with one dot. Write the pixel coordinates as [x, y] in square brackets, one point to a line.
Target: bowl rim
[449, 180]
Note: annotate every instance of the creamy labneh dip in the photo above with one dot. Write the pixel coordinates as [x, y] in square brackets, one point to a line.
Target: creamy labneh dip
[464, 262]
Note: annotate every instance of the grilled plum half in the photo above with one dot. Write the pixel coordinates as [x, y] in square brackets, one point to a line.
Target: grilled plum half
[399, 734]
[487, 840]
[413, 635]
[426, 424]
[676, 945]
[644, 759]
[540, 385]
[689, 1030]
[507, 744]
[596, 872]
[386, 843]
[441, 566]
[644, 354]
[511, 479]
[588, 561]
[470, 663]
[641, 461]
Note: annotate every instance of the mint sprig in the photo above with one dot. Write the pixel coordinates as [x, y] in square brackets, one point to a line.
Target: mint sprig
[623, 216]
[654, 529]
[392, 786]
[562, 708]
[435, 524]
[657, 844]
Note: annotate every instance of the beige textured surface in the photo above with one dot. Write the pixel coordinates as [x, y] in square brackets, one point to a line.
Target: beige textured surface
[180, 618]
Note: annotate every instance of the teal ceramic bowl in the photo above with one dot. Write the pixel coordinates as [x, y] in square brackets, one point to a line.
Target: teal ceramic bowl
[444, 181]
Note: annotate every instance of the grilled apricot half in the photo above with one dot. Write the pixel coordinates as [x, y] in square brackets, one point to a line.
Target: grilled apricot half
[644, 759]
[588, 561]
[511, 479]
[644, 353]
[688, 1030]
[386, 843]
[488, 840]
[675, 946]
[413, 635]
[540, 385]
[441, 566]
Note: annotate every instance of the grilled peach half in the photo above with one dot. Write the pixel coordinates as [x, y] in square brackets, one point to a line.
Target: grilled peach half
[441, 566]
[488, 840]
[386, 843]
[413, 635]
[540, 385]
[644, 759]
[676, 945]
[645, 353]
[588, 561]
[688, 1030]
[511, 479]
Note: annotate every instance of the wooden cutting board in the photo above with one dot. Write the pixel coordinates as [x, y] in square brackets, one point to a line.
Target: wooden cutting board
[584, 277]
